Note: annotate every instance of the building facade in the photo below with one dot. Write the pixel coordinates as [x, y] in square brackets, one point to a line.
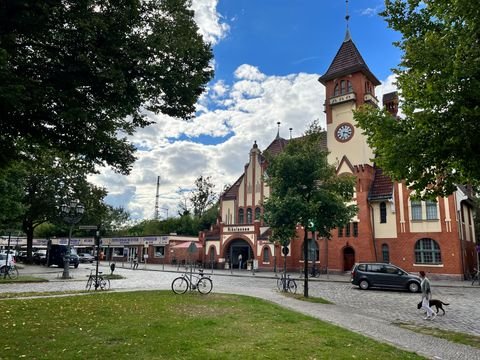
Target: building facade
[435, 236]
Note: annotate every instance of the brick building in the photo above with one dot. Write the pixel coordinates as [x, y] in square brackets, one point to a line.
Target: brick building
[435, 236]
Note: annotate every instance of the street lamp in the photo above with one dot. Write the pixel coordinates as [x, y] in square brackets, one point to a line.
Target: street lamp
[72, 213]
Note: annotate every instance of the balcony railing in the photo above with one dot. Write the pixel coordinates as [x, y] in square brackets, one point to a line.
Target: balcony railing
[342, 98]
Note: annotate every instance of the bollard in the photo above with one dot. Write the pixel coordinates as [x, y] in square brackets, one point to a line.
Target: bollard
[112, 268]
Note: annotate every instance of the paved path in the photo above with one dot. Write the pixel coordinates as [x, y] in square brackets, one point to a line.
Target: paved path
[371, 313]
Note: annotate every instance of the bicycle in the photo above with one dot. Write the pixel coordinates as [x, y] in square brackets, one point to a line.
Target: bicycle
[287, 284]
[200, 282]
[476, 276]
[9, 271]
[97, 281]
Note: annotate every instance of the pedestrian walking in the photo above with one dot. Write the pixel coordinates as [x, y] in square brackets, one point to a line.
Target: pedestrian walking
[239, 261]
[426, 296]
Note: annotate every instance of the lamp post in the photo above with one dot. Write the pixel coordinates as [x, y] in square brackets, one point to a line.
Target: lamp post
[72, 213]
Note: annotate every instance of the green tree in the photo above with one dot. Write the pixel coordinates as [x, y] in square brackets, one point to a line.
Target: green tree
[305, 188]
[78, 75]
[435, 145]
[203, 195]
[49, 179]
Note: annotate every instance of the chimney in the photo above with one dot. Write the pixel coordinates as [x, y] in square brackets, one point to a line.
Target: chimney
[390, 102]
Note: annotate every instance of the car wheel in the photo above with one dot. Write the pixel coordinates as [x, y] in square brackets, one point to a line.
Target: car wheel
[364, 284]
[76, 265]
[413, 287]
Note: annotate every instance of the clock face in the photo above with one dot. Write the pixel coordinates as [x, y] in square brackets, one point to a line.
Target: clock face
[344, 132]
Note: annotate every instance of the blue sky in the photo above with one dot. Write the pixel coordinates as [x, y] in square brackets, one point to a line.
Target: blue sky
[268, 55]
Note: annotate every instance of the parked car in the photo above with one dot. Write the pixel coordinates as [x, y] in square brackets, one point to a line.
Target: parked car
[40, 257]
[382, 275]
[86, 258]
[3, 259]
[56, 255]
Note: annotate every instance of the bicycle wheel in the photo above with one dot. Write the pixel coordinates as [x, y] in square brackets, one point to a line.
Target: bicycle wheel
[280, 284]
[89, 283]
[180, 285]
[292, 286]
[13, 273]
[104, 283]
[204, 285]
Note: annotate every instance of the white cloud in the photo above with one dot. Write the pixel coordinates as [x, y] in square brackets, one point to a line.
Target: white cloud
[250, 112]
[209, 20]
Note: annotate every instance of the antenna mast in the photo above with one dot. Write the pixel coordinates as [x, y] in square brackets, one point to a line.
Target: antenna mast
[157, 196]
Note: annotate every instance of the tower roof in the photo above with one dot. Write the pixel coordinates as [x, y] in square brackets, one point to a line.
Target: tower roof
[347, 61]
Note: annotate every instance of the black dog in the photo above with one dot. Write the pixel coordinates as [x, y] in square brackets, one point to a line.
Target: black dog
[437, 303]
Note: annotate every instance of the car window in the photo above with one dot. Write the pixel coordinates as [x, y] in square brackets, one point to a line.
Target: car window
[391, 270]
[362, 267]
[375, 268]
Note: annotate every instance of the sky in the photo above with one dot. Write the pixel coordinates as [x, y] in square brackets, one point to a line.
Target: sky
[268, 55]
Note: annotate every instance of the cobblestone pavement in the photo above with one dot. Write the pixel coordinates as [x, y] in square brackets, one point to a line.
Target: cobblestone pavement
[372, 313]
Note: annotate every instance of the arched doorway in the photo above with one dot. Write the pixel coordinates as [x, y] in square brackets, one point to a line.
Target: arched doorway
[235, 248]
[348, 258]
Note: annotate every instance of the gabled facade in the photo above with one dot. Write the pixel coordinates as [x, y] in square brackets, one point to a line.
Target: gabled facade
[434, 236]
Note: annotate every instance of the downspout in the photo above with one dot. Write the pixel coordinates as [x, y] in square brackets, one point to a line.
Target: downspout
[373, 231]
[461, 232]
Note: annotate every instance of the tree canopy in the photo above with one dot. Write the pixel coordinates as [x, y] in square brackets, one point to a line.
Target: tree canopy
[435, 145]
[78, 75]
[304, 188]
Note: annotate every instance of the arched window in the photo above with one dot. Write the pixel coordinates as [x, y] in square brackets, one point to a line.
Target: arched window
[385, 253]
[257, 213]
[249, 216]
[383, 213]
[427, 251]
[313, 253]
[342, 87]
[336, 91]
[212, 254]
[266, 255]
[240, 216]
[349, 87]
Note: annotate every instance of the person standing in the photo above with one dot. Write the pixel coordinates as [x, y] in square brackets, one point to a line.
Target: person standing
[426, 296]
[239, 261]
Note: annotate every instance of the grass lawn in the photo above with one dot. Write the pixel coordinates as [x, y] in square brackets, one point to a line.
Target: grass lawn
[162, 325]
[21, 279]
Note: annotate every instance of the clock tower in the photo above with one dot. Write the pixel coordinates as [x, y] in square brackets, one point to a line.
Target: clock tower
[349, 84]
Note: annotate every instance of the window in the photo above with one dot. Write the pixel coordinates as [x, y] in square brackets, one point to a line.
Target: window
[347, 230]
[342, 87]
[355, 229]
[431, 210]
[240, 216]
[416, 210]
[340, 232]
[313, 253]
[336, 91]
[383, 213]
[427, 251]
[266, 255]
[160, 251]
[249, 216]
[257, 213]
[349, 87]
[385, 253]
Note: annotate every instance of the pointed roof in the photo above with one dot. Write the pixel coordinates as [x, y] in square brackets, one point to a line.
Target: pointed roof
[382, 186]
[347, 61]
